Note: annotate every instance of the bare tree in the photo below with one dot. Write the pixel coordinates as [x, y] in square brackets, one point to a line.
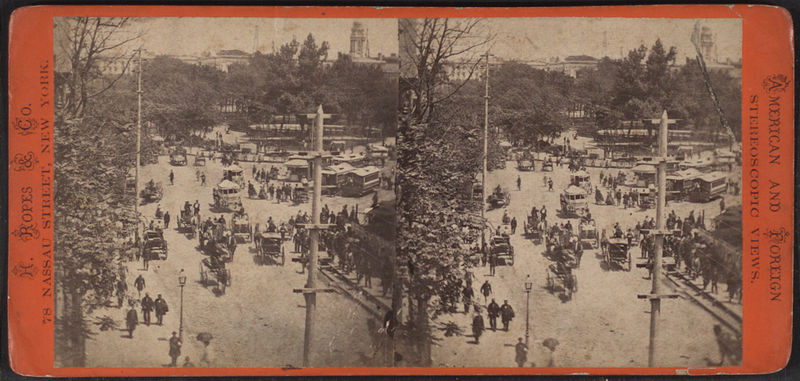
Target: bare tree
[82, 42]
[427, 46]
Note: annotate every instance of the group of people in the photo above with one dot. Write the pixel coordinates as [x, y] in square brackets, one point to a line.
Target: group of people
[278, 192]
[493, 311]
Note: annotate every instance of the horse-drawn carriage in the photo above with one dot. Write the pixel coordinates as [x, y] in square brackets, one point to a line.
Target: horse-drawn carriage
[188, 222]
[616, 251]
[270, 247]
[560, 277]
[588, 235]
[152, 192]
[215, 266]
[199, 161]
[226, 196]
[178, 156]
[535, 228]
[573, 202]
[525, 165]
[499, 198]
[501, 249]
[154, 246]
[547, 165]
[241, 228]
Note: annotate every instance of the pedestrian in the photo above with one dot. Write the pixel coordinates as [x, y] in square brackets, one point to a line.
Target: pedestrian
[203, 179]
[122, 288]
[550, 184]
[522, 353]
[161, 308]
[197, 175]
[492, 263]
[131, 320]
[477, 326]
[166, 220]
[486, 290]
[139, 284]
[145, 260]
[513, 225]
[147, 306]
[506, 314]
[467, 296]
[519, 183]
[494, 312]
[174, 348]
[721, 205]
[171, 178]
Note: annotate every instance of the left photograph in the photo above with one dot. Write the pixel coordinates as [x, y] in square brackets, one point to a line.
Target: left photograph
[225, 191]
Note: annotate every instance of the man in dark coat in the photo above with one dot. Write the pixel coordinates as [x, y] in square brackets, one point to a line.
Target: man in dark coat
[131, 320]
[174, 348]
[513, 225]
[467, 295]
[139, 283]
[477, 326]
[494, 312]
[166, 220]
[506, 314]
[161, 308]
[486, 290]
[522, 353]
[147, 307]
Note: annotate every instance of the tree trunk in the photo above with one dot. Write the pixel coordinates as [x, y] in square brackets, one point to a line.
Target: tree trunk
[424, 337]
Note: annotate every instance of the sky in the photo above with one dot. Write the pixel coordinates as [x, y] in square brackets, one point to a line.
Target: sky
[196, 35]
[540, 38]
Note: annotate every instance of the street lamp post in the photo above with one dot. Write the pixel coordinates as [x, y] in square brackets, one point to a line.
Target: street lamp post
[181, 282]
[528, 288]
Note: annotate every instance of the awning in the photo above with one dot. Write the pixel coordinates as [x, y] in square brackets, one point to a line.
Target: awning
[573, 190]
[297, 163]
[232, 168]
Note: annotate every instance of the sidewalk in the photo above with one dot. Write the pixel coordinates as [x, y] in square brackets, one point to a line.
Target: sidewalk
[719, 299]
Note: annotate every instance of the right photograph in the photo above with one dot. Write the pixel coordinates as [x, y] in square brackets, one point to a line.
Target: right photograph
[568, 193]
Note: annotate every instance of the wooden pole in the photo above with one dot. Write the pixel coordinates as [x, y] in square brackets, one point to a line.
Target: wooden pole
[655, 302]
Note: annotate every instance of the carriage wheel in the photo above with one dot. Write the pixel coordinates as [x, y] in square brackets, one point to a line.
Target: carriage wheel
[228, 277]
[628, 268]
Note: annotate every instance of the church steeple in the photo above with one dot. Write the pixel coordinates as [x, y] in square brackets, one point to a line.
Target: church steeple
[359, 47]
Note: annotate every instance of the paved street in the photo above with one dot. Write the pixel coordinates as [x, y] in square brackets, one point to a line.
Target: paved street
[604, 324]
[258, 321]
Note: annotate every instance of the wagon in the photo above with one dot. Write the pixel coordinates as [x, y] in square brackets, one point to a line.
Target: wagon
[226, 196]
[573, 202]
[241, 228]
[535, 229]
[152, 192]
[177, 157]
[587, 233]
[547, 166]
[616, 251]
[560, 277]
[187, 223]
[502, 250]
[154, 246]
[270, 246]
[213, 267]
[499, 198]
[525, 165]
[199, 161]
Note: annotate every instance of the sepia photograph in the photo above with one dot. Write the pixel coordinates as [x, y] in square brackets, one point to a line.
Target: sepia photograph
[224, 191]
[569, 192]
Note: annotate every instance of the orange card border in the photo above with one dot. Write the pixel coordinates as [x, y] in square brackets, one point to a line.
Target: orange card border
[767, 51]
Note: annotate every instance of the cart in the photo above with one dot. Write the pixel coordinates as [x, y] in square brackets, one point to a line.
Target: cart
[152, 192]
[270, 247]
[573, 202]
[154, 246]
[241, 228]
[617, 252]
[535, 229]
[587, 233]
[187, 222]
[499, 198]
[501, 249]
[226, 196]
[214, 267]
[525, 165]
[561, 278]
[199, 161]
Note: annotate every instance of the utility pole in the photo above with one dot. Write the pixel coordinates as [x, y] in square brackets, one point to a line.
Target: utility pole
[138, 147]
[485, 152]
[660, 231]
[310, 290]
